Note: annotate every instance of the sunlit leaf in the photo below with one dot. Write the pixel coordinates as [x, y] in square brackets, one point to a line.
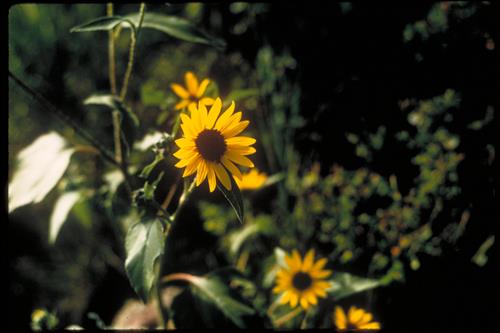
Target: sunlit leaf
[345, 284]
[480, 258]
[144, 244]
[40, 166]
[176, 27]
[234, 198]
[60, 212]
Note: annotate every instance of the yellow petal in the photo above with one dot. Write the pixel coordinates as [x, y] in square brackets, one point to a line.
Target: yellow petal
[243, 150]
[231, 121]
[202, 88]
[292, 263]
[296, 257]
[184, 162]
[320, 292]
[191, 83]
[188, 131]
[366, 318]
[231, 167]
[370, 326]
[211, 178]
[182, 104]
[184, 143]
[285, 297]
[240, 141]
[354, 314]
[308, 261]
[202, 172]
[311, 298]
[207, 100]
[179, 91]
[203, 114]
[294, 299]
[241, 160]
[191, 167]
[339, 318]
[214, 113]
[222, 175]
[184, 153]
[225, 116]
[303, 303]
[320, 264]
[320, 274]
[236, 129]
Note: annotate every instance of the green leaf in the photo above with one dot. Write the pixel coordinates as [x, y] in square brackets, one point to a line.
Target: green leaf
[480, 258]
[213, 288]
[128, 119]
[240, 94]
[176, 27]
[104, 23]
[60, 212]
[148, 168]
[234, 198]
[144, 244]
[240, 236]
[345, 284]
[40, 167]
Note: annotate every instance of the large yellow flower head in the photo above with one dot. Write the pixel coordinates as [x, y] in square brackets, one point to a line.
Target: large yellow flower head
[251, 180]
[302, 281]
[210, 145]
[193, 93]
[356, 319]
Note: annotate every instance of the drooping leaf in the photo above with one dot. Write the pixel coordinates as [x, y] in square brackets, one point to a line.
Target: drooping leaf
[345, 284]
[104, 23]
[176, 27]
[144, 244]
[128, 120]
[234, 198]
[214, 289]
[40, 166]
[60, 212]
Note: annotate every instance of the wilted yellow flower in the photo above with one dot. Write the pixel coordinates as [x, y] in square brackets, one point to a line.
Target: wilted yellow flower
[251, 180]
[193, 93]
[209, 145]
[302, 281]
[356, 319]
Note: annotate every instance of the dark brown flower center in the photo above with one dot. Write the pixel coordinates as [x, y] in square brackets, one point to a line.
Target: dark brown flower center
[211, 145]
[302, 281]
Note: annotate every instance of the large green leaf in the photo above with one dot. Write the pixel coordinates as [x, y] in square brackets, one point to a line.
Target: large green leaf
[60, 212]
[104, 23]
[234, 198]
[40, 166]
[175, 27]
[213, 288]
[144, 244]
[345, 284]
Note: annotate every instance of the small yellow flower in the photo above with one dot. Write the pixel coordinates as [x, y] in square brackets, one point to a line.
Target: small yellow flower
[356, 319]
[302, 281]
[193, 93]
[210, 145]
[251, 180]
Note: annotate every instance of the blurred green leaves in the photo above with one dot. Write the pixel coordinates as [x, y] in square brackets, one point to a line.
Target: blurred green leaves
[345, 284]
[40, 166]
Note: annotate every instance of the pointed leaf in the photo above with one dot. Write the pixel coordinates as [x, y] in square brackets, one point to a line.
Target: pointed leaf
[345, 284]
[234, 198]
[176, 27]
[60, 213]
[104, 23]
[144, 244]
[40, 167]
[213, 288]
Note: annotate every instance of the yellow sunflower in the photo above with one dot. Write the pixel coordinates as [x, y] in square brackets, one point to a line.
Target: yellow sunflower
[302, 281]
[210, 145]
[356, 319]
[193, 93]
[251, 180]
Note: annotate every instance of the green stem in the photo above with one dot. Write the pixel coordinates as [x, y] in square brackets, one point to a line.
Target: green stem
[111, 53]
[131, 57]
[280, 321]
